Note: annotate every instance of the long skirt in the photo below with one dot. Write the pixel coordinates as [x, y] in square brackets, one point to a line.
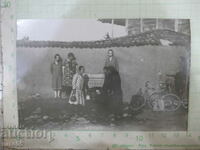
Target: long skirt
[116, 103]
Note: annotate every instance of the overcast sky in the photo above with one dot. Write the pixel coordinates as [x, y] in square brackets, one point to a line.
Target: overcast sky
[66, 29]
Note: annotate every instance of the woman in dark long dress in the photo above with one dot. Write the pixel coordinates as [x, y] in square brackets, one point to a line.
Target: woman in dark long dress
[111, 94]
[106, 89]
[111, 60]
[116, 92]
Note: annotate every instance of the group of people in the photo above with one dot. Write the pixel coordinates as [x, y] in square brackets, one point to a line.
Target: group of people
[69, 78]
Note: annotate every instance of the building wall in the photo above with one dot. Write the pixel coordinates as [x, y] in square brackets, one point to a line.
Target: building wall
[137, 65]
[135, 26]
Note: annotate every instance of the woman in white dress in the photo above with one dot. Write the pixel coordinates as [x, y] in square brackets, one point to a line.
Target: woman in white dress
[77, 87]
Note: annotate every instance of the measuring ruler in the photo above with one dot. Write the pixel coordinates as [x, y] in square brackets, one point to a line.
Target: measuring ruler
[107, 139]
[140, 140]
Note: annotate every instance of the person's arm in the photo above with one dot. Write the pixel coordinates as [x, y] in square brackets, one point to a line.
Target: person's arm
[63, 69]
[74, 68]
[74, 80]
[86, 81]
[105, 64]
[116, 64]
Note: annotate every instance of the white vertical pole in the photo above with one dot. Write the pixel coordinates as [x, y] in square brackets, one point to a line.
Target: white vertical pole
[141, 25]
[176, 25]
[126, 25]
[157, 23]
[112, 32]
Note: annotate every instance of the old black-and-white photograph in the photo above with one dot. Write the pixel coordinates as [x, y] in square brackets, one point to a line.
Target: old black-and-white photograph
[103, 74]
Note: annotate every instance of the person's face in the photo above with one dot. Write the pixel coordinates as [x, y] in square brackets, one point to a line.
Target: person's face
[110, 53]
[70, 57]
[57, 58]
[82, 70]
[68, 60]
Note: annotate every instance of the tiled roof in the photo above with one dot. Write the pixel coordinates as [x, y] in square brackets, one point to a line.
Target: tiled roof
[147, 38]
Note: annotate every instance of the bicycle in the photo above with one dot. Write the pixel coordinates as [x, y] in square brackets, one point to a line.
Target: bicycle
[161, 99]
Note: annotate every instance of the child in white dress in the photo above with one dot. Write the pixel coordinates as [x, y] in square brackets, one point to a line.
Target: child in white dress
[77, 87]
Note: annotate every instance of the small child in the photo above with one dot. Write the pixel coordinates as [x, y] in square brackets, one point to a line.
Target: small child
[77, 87]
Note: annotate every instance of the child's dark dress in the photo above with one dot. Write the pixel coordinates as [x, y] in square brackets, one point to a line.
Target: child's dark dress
[56, 70]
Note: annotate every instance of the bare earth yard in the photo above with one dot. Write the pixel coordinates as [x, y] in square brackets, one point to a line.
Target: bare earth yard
[58, 114]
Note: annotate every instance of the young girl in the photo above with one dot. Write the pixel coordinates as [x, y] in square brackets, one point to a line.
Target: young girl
[56, 71]
[77, 85]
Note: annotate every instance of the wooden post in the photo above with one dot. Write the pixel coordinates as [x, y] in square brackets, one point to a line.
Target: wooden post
[126, 26]
[112, 32]
[141, 25]
[176, 25]
[157, 27]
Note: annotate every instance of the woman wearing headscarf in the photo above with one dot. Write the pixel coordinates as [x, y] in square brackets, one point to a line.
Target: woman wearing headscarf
[116, 93]
[111, 93]
[111, 60]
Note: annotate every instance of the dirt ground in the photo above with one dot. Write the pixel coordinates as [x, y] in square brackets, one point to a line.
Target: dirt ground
[58, 114]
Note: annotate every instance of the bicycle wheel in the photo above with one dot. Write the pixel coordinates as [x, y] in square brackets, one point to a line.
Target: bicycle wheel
[156, 96]
[137, 102]
[171, 102]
